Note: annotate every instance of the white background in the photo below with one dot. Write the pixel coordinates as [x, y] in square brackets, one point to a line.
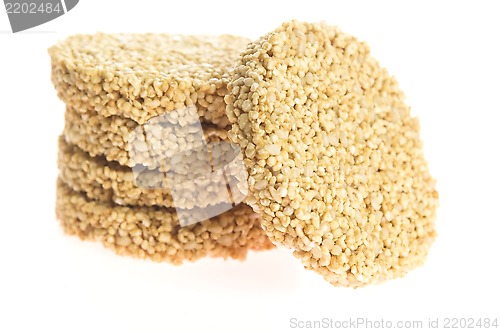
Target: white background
[446, 58]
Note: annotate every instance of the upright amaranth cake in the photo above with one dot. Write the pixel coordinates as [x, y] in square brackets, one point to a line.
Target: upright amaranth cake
[335, 163]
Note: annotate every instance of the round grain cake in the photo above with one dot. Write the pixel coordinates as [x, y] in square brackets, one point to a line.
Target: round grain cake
[140, 76]
[336, 166]
[105, 181]
[116, 138]
[155, 233]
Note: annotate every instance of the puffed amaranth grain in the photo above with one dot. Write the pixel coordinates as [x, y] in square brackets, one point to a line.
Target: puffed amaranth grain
[336, 166]
[102, 180]
[154, 233]
[140, 76]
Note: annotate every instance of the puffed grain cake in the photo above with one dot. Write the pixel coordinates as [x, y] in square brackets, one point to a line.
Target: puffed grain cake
[336, 166]
[140, 76]
[124, 141]
[102, 180]
[154, 233]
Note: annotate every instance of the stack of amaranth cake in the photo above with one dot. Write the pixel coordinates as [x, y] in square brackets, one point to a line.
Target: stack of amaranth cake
[127, 97]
